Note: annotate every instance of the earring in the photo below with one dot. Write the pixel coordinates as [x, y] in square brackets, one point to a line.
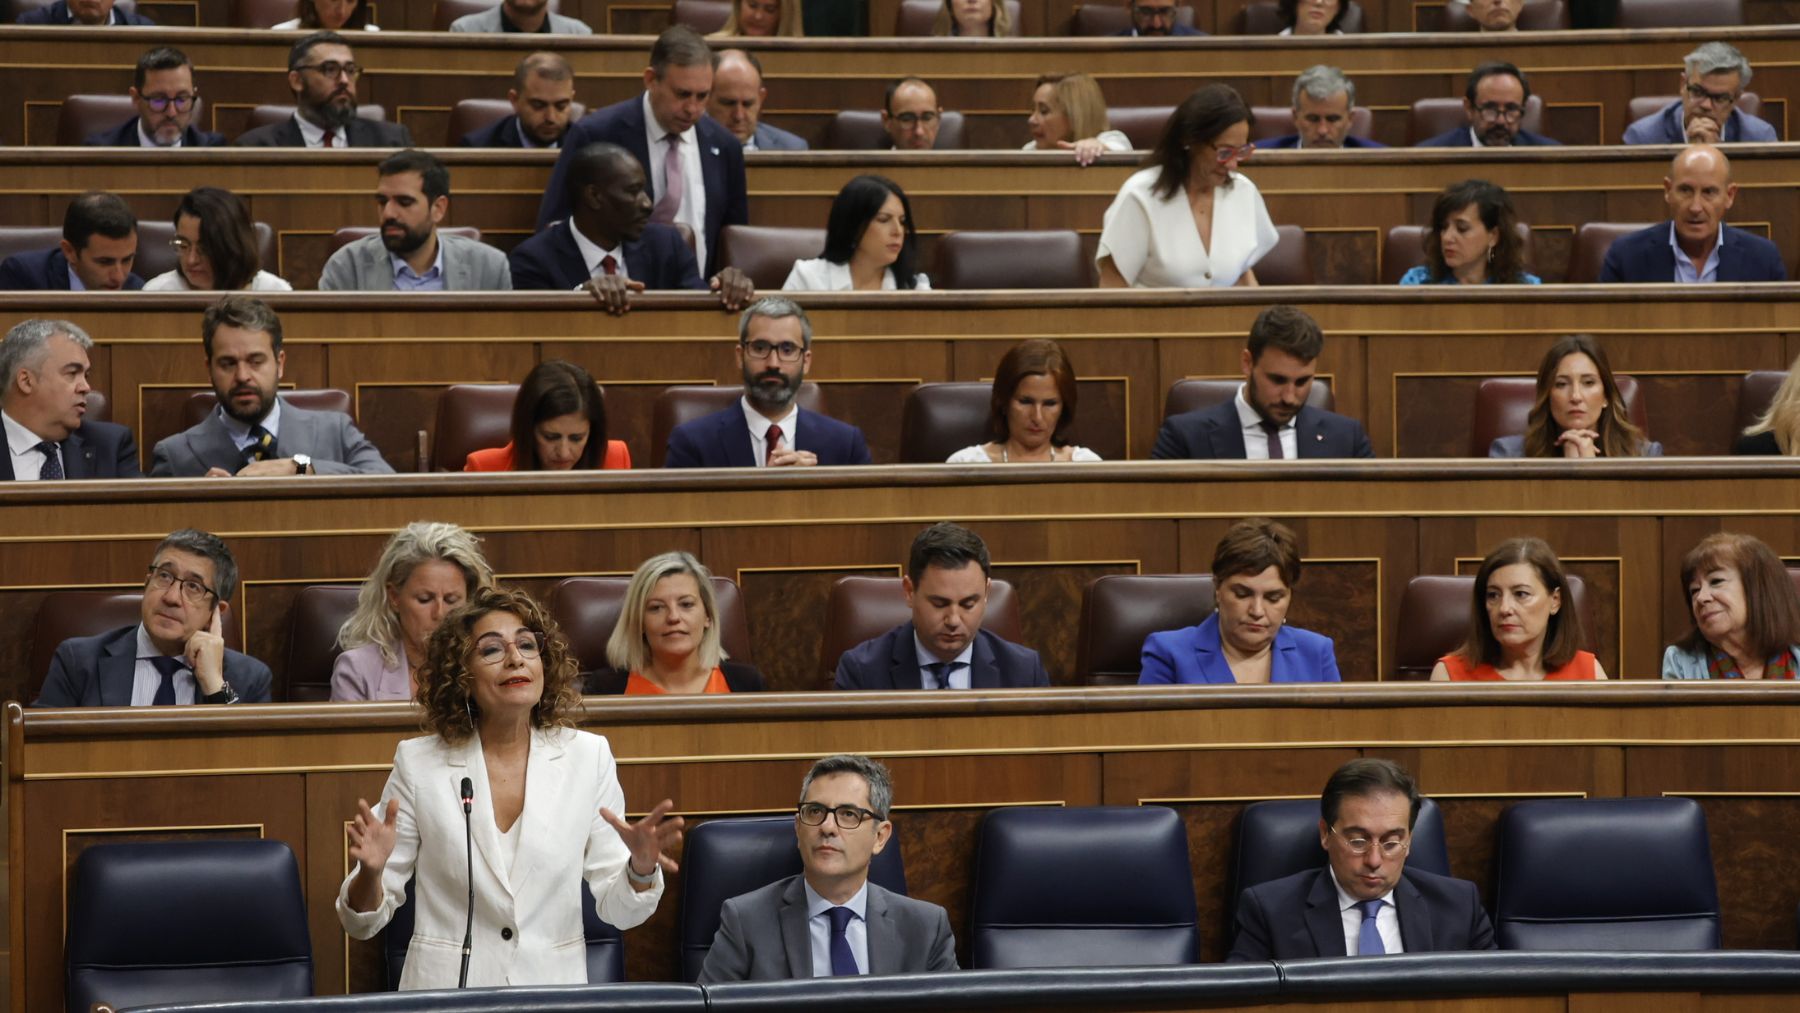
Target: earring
[1490, 255]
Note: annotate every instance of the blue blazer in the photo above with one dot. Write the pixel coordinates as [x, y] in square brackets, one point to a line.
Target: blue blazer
[1215, 434]
[98, 672]
[94, 450]
[891, 661]
[125, 135]
[1293, 141]
[1459, 138]
[1195, 655]
[58, 14]
[44, 271]
[1298, 916]
[502, 133]
[622, 123]
[722, 440]
[1664, 127]
[1645, 255]
[550, 260]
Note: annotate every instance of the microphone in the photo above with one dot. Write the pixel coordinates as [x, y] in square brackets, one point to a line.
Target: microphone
[468, 797]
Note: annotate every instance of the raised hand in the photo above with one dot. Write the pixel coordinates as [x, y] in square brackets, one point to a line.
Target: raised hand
[372, 838]
[205, 653]
[650, 838]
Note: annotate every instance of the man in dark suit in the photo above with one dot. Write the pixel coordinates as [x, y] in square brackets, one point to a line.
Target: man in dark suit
[1364, 901]
[322, 74]
[737, 102]
[1269, 418]
[163, 92]
[1324, 98]
[695, 166]
[767, 428]
[97, 251]
[1696, 245]
[1153, 19]
[44, 369]
[83, 12]
[542, 97]
[943, 646]
[176, 654]
[1495, 100]
[830, 920]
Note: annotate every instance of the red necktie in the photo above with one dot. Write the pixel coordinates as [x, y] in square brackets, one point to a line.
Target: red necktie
[774, 444]
[329, 143]
[609, 264]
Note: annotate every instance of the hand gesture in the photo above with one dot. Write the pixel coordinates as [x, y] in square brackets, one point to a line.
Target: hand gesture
[1085, 150]
[734, 287]
[649, 837]
[785, 458]
[1704, 130]
[613, 292]
[372, 839]
[273, 466]
[205, 653]
[1579, 443]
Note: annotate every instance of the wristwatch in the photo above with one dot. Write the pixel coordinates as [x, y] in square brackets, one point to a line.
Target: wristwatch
[303, 464]
[225, 695]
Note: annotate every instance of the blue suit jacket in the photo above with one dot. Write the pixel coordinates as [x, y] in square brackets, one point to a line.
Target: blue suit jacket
[891, 661]
[1459, 138]
[1645, 255]
[58, 14]
[1664, 127]
[44, 271]
[1215, 434]
[770, 138]
[98, 672]
[1194, 655]
[1178, 29]
[1298, 916]
[722, 440]
[95, 450]
[1293, 141]
[550, 260]
[622, 123]
[502, 133]
[125, 135]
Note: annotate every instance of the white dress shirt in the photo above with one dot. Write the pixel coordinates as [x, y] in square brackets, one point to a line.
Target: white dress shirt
[1154, 242]
[145, 678]
[1684, 265]
[21, 443]
[174, 281]
[593, 253]
[240, 431]
[962, 667]
[759, 429]
[692, 212]
[1387, 920]
[818, 925]
[816, 274]
[1256, 440]
[314, 135]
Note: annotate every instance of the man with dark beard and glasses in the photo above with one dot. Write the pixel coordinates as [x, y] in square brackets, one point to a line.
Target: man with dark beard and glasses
[766, 428]
[253, 432]
[1496, 98]
[409, 253]
[322, 73]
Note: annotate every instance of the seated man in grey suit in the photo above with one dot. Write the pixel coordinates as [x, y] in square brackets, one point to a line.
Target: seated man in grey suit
[830, 920]
[1269, 418]
[1364, 901]
[43, 396]
[176, 653]
[322, 74]
[943, 646]
[254, 432]
[409, 254]
[737, 101]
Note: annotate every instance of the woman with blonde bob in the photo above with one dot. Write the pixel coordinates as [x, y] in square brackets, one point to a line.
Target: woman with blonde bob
[1068, 113]
[426, 570]
[1745, 613]
[1523, 624]
[1776, 431]
[762, 19]
[667, 639]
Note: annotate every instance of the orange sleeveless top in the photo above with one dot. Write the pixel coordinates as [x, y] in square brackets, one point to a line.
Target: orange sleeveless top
[637, 685]
[1581, 666]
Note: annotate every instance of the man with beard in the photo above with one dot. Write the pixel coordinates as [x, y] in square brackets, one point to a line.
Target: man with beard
[1154, 19]
[409, 254]
[322, 74]
[766, 428]
[163, 91]
[1269, 418]
[542, 97]
[254, 432]
[1495, 102]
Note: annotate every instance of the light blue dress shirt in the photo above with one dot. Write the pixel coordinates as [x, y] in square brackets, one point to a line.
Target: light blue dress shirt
[818, 924]
[1684, 265]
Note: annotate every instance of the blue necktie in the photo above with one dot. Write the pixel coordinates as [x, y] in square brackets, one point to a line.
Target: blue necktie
[940, 670]
[52, 470]
[842, 960]
[1368, 939]
[165, 690]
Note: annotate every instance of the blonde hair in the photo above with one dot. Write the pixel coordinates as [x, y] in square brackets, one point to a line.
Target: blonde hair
[999, 27]
[1783, 416]
[789, 24]
[1083, 104]
[374, 621]
[626, 648]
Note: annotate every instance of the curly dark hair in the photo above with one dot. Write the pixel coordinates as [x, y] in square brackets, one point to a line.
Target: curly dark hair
[445, 683]
[1506, 262]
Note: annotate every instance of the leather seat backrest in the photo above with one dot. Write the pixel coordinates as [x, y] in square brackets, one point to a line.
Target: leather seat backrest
[319, 611]
[1503, 405]
[1192, 395]
[587, 609]
[263, 115]
[861, 130]
[65, 614]
[1679, 14]
[1281, 837]
[1142, 124]
[17, 239]
[82, 115]
[703, 16]
[1591, 242]
[1754, 397]
[681, 404]
[1120, 610]
[471, 417]
[767, 252]
[1287, 263]
[938, 419]
[1022, 258]
[863, 608]
[1434, 619]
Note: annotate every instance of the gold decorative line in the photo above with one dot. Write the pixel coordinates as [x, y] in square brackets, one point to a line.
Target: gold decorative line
[1731, 794]
[947, 806]
[126, 586]
[1507, 794]
[1221, 798]
[898, 568]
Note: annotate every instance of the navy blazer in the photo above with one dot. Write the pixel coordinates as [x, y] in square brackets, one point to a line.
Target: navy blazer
[125, 135]
[722, 440]
[1459, 138]
[891, 661]
[1298, 916]
[622, 123]
[1177, 29]
[1645, 255]
[44, 271]
[98, 672]
[58, 14]
[94, 450]
[360, 133]
[659, 258]
[502, 133]
[1195, 654]
[1293, 141]
[1216, 434]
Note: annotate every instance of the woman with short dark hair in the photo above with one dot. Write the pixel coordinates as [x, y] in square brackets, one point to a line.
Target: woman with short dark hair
[1745, 613]
[558, 424]
[1312, 17]
[215, 247]
[1032, 410]
[1523, 625]
[870, 243]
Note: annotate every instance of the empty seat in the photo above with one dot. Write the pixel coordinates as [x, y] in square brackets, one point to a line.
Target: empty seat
[263, 115]
[681, 404]
[82, 115]
[351, 233]
[319, 611]
[1288, 263]
[1192, 395]
[861, 130]
[939, 419]
[1535, 16]
[471, 417]
[1433, 116]
[1038, 902]
[1268, 122]
[605, 944]
[1434, 619]
[1503, 404]
[767, 252]
[1679, 13]
[703, 16]
[1112, 18]
[201, 403]
[1404, 250]
[726, 858]
[1017, 258]
[1605, 874]
[17, 239]
[1120, 610]
[1754, 397]
[587, 609]
[1281, 837]
[917, 17]
[863, 608]
[1592, 240]
[1263, 17]
[1143, 125]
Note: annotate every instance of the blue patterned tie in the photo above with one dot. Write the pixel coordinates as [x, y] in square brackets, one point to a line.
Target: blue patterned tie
[52, 470]
[842, 960]
[165, 690]
[1368, 940]
[940, 671]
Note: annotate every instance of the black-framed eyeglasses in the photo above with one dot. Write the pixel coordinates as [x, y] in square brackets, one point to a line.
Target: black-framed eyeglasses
[1716, 99]
[182, 102]
[911, 120]
[491, 649]
[1146, 12]
[161, 579]
[785, 351]
[1360, 845]
[1496, 111]
[333, 69]
[848, 817]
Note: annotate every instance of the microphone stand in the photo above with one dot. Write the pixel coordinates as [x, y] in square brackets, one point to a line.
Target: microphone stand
[468, 795]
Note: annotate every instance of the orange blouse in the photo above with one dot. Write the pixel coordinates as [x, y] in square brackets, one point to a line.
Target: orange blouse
[637, 685]
[1581, 666]
[618, 458]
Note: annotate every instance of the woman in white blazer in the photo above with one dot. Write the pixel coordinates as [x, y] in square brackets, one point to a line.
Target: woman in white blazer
[497, 687]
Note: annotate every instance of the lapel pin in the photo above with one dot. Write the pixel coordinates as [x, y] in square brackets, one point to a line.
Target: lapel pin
[1319, 436]
[715, 151]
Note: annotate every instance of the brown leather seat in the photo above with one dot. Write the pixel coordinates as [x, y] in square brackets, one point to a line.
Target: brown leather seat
[261, 13]
[676, 405]
[1111, 18]
[939, 419]
[17, 239]
[1749, 103]
[1263, 17]
[472, 114]
[263, 115]
[66, 614]
[1434, 619]
[703, 16]
[860, 130]
[155, 256]
[1195, 395]
[449, 10]
[1591, 243]
[863, 608]
[1142, 124]
[587, 609]
[1754, 398]
[916, 17]
[471, 417]
[1287, 263]
[1120, 610]
[1535, 16]
[1679, 13]
[767, 252]
[1268, 122]
[82, 115]
[351, 233]
[201, 403]
[1433, 116]
[1502, 404]
[1405, 250]
[1018, 258]
[318, 612]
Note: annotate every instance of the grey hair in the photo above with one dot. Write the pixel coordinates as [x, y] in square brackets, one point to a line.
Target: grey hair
[881, 784]
[420, 542]
[1717, 58]
[28, 343]
[210, 547]
[1319, 82]
[776, 307]
[626, 648]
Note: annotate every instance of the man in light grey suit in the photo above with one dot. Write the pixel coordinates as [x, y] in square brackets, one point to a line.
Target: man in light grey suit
[530, 16]
[410, 254]
[830, 920]
[254, 432]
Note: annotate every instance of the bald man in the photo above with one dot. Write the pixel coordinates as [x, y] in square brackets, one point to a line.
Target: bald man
[1695, 245]
[737, 101]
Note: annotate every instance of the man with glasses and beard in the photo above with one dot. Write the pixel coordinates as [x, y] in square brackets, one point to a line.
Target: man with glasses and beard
[410, 254]
[1495, 101]
[766, 428]
[322, 74]
[163, 91]
[254, 432]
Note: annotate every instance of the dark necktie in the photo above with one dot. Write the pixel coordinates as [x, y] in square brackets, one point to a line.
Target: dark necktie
[263, 447]
[52, 461]
[1273, 432]
[329, 142]
[165, 690]
[1368, 939]
[774, 443]
[940, 670]
[609, 264]
[842, 960]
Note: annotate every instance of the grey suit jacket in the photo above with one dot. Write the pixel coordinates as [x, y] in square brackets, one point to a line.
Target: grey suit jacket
[334, 443]
[763, 936]
[98, 672]
[469, 266]
[489, 21]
